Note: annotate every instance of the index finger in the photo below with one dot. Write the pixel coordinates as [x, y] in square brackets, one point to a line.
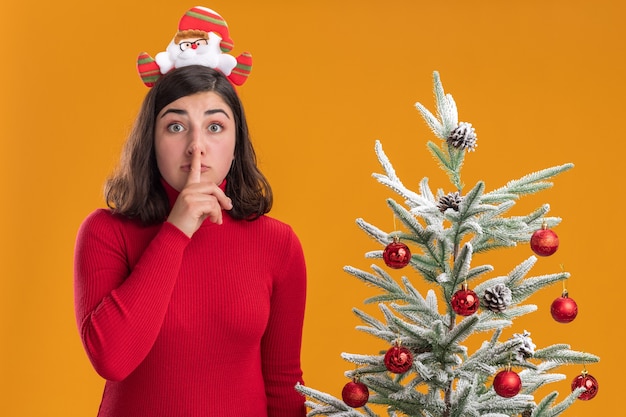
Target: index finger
[195, 168]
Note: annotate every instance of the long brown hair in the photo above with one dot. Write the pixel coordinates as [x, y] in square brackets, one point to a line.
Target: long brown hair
[135, 190]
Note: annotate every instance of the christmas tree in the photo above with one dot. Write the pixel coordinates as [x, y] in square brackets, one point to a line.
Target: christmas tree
[427, 371]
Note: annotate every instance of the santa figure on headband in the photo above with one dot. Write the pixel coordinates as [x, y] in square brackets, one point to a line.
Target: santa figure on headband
[202, 39]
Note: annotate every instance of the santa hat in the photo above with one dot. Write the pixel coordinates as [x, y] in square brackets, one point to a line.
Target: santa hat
[207, 20]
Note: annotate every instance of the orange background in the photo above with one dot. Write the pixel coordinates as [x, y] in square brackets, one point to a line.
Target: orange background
[541, 81]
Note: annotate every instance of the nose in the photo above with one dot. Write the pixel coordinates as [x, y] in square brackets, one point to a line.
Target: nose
[195, 144]
[194, 46]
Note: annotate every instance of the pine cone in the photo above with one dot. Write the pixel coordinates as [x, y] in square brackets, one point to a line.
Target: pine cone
[463, 137]
[497, 298]
[452, 200]
[526, 349]
[527, 413]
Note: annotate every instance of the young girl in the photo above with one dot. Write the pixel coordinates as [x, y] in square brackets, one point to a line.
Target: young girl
[189, 299]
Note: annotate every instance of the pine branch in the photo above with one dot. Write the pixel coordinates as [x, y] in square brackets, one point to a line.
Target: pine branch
[497, 231]
[383, 280]
[494, 415]
[358, 359]
[546, 409]
[460, 332]
[427, 266]
[424, 202]
[374, 232]
[531, 285]
[420, 310]
[422, 335]
[415, 404]
[566, 403]
[328, 405]
[531, 183]
[426, 238]
[493, 403]
[489, 355]
[535, 216]
[462, 400]
[433, 123]
[478, 271]
[372, 321]
[450, 163]
[543, 408]
[507, 315]
[565, 357]
[489, 325]
[426, 191]
[534, 381]
[446, 108]
[551, 350]
[521, 270]
[460, 269]
[469, 208]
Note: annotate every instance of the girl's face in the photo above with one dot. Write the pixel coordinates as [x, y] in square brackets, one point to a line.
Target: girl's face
[199, 122]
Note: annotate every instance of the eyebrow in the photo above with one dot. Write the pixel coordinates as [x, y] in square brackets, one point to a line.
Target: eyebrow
[184, 112]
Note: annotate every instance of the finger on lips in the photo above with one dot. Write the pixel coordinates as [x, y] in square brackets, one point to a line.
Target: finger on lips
[194, 179]
[195, 167]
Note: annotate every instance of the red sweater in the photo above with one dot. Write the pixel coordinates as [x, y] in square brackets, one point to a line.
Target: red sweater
[200, 327]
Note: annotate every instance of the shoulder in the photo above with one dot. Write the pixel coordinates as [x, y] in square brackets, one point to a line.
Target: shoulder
[275, 229]
[284, 252]
[105, 224]
[96, 220]
[106, 220]
[275, 247]
[271, 222]
[269, 234]
[281, 237]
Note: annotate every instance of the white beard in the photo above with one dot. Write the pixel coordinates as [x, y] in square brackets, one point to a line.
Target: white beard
[209, 55]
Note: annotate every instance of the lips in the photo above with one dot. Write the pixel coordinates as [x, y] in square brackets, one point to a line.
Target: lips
[187, 168]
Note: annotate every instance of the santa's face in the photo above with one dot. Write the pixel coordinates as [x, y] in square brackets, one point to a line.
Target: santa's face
[187, 51]
[192, 43]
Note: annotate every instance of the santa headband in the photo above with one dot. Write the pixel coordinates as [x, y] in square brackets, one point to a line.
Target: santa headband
[202, 39]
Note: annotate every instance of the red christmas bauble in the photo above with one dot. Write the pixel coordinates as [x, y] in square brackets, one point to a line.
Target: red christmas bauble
[465, 302]
[507, 384]
[398, 359]
[564, 309]
[587, 381]
[396, 255]
[544, 242]
[355, 394]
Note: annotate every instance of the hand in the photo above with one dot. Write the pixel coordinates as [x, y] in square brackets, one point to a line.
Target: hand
[198, 200]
